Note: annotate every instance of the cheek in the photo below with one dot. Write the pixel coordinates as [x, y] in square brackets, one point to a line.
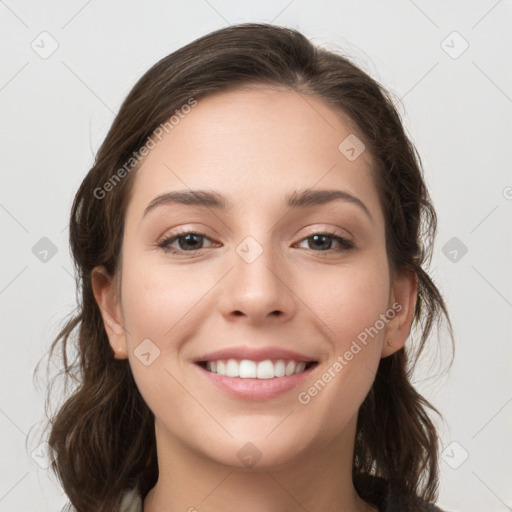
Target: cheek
[348, 299]
[350, 304]
[157, 304]
[156, 300]
[341, 301]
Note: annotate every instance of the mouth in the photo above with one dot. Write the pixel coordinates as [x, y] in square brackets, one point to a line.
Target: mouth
[246, 379]
[256, 373]
[261, 370]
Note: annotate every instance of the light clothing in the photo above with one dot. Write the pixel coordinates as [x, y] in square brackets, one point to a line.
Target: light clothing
[132, 502]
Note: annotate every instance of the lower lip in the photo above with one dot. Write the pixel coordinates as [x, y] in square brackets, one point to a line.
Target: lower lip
[255, 389]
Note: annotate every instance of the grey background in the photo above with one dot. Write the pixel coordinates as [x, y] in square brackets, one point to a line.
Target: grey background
[457, 107]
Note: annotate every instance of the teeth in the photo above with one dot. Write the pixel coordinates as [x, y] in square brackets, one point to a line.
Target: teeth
[265, 370]
[279, 369]
[300, 367]
[232, 368]
[246, 369]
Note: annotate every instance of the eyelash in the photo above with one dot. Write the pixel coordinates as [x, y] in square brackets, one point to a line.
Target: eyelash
[347, 245]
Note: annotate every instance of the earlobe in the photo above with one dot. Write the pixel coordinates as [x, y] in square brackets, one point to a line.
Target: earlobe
[404, 293]
[105, 293]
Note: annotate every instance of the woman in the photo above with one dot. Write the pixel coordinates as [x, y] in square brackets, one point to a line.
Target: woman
[250, 245]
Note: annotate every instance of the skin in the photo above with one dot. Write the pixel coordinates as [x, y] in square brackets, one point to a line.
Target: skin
[254, 146]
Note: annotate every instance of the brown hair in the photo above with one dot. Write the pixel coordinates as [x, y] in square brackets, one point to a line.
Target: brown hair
[103, 434]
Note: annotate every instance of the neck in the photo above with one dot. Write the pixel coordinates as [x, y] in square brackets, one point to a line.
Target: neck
[316, 480]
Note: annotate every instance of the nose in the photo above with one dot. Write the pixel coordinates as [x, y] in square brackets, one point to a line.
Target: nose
[258, 291]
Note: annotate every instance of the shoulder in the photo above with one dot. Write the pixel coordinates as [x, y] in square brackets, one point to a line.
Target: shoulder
[375, 490]
[390, 498]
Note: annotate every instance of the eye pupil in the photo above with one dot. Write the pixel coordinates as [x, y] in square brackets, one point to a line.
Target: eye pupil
[322, 239]
[189, 238]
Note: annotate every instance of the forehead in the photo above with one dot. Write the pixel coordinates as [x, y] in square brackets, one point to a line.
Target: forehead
[255, 144]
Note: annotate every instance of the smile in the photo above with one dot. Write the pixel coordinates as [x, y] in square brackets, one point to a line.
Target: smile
[248, 369]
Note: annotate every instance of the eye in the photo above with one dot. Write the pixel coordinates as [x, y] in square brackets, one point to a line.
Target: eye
[189, 242]
[323, 242]
[192, 242]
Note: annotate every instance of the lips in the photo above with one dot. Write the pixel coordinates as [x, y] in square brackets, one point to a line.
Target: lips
[254, 388]
[255, 373]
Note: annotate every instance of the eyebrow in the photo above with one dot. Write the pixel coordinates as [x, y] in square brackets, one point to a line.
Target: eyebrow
[297, 199]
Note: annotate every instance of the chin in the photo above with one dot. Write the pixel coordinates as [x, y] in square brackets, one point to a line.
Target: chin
[259, 453]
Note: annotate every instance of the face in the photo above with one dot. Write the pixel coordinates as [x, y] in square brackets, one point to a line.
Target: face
[296, 295]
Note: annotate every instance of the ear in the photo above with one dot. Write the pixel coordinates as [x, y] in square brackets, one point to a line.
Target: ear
[105, 292]
[403, 296]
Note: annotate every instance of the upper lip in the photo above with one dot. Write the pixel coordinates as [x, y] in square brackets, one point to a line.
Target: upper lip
[254, 354]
